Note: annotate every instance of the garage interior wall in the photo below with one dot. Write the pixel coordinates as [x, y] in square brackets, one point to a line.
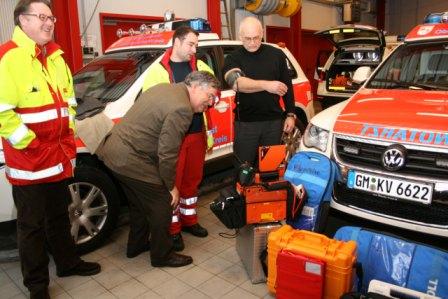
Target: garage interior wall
[6, 19]
[403, 15]
[181, 8]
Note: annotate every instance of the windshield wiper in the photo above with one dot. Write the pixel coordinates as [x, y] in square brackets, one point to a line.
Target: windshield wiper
[409, 85]
[424, 86]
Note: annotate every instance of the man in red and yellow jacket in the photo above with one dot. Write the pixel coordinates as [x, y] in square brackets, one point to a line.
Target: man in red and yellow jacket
[36, 125]
[176, 64]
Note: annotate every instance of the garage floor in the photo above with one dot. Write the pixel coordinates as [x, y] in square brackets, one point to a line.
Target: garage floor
[216, 272]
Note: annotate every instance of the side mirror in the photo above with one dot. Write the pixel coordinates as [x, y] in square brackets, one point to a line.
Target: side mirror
[362, 74]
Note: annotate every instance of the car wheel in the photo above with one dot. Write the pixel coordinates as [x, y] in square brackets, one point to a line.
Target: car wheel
[94, 208]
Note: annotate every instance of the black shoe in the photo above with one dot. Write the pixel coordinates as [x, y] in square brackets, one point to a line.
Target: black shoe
[175, 260]
[178, 242]
[131, 253]
[196, 230]
[40, 294]
[82, 269]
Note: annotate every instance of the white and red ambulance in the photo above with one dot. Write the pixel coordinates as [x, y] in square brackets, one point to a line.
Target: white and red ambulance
[111, 84]
[390, 139]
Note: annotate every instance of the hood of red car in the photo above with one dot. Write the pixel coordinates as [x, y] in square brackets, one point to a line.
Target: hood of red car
[403, 116]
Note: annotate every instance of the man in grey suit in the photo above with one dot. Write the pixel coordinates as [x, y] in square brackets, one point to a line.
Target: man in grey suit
[142, 152]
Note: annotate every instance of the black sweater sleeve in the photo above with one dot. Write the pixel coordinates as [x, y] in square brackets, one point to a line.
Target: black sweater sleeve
[288, 98]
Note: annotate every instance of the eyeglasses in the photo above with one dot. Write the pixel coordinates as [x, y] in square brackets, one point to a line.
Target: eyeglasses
[214, 98]
[42, 17]
[252, 39]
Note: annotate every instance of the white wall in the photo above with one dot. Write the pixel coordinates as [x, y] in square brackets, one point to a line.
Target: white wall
[6, 19]
[316, 16]
[182, 9]
[327, 16]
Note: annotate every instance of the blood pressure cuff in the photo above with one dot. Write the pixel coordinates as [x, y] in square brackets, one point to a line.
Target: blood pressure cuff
[233, 75]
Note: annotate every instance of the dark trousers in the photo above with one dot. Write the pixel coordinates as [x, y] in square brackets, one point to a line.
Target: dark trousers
[42, 218]
[251, 135]
[150, 216]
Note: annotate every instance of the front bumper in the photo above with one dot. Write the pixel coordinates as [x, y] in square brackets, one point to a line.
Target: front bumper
[425, 218]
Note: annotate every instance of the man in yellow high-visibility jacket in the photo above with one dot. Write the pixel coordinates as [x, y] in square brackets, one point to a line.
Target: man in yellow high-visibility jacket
[176, 64]
[37, 129]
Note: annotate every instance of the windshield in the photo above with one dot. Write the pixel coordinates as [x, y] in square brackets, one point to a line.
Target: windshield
[414, 66]
[107, 78]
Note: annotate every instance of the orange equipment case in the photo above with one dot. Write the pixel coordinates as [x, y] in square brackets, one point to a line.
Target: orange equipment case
[270, 157]
[263, 205]
[339, 258]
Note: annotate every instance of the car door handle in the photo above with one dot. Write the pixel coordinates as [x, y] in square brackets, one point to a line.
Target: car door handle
[222, 106]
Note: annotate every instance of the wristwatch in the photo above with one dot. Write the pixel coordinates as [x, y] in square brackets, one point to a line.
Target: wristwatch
[293, 115]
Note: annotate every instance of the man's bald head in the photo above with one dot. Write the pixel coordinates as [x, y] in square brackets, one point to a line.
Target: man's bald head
[251, 33]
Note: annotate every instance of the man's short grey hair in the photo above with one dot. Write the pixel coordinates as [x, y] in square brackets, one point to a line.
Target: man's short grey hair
[202, 78]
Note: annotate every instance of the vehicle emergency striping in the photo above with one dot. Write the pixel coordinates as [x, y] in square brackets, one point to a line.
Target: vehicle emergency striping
[161, 38]
[404, 135]
[423, 32]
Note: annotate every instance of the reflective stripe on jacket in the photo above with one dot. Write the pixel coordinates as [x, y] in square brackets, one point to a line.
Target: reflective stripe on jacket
[162, 73]
[37, 109]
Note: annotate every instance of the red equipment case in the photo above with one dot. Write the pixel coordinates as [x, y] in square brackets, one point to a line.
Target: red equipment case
[299, 276]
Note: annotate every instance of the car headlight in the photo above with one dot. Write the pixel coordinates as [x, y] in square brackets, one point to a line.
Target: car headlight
[358, 56]
[316, 137]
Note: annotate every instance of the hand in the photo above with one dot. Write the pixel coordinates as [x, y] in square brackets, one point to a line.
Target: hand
[289, 125]
[175, 197]
[276, 87]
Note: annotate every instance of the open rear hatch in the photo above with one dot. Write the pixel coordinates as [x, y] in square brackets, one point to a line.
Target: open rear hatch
[356, 46]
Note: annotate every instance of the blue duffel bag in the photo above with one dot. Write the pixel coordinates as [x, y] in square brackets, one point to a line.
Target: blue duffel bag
[316, 173]
[398, 261]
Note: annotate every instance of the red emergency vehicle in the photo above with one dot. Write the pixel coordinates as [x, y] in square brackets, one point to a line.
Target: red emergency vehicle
[390, 139]
[110, 84]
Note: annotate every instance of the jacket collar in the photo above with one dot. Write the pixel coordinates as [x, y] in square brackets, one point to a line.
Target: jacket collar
[166, 60]
[23, 41]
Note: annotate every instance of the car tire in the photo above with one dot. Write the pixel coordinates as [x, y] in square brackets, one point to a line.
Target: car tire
[93, 209]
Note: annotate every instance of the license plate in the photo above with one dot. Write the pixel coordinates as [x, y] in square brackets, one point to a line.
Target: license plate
[390, 187]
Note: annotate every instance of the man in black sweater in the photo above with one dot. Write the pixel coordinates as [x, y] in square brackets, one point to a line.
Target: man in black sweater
[259, 75]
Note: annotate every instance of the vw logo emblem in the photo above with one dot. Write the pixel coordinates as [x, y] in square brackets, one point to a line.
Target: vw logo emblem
[394, 157]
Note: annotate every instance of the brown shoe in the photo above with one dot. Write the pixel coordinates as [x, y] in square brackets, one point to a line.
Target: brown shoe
[174, 260]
